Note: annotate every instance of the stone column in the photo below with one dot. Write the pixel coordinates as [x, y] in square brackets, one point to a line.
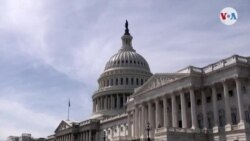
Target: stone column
[80, 137]
[139, 121]
[124, 100]
[227, 107]
[101, 103]
[118, 101]
[136, 122]
[105, 102]
[174, 111]
[90, 136]
[72, 138]
[240, 103]
[165, 112]
[143, 120]
[204, 109]
[215, 109]
[94, 106]
[157, 114]
[150, 118]
[112, 102]
[183, 110]
[129, 125]
[193, 109]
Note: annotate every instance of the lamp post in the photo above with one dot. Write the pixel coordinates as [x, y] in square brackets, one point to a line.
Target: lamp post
[104, 136]
[148, 129]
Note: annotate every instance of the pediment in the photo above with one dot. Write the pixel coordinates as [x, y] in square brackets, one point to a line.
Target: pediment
[63, 125]
[158, 80]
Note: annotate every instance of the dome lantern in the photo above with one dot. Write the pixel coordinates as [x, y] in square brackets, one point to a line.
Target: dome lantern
[127, 40]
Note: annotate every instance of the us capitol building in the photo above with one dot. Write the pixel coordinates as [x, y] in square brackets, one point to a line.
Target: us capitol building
[211, 103]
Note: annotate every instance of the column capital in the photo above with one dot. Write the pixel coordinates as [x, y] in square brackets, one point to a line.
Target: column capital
[238, 78]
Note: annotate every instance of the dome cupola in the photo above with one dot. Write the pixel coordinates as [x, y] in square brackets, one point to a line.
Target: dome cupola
[127, 56]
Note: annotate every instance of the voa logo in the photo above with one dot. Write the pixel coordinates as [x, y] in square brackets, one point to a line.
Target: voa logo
[228, 16]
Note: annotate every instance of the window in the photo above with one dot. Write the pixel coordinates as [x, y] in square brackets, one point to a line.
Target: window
[198, 101]
[219, 96]
[121, 81]
[132, 81]
[231, 94]
[122, 61]
[210, 119]
[134, 62]
[141, 81]
[244, 90]
[107, 82]
[189, 104]
[121, 128]
[234, 115]
[126, 61]
[200, 121]
[234, 118]
[130, 61]
[208, 99]
[247, 115]
[137, 81]
[111, 82]
[118, 62]
[116, 81]
[221, 118]
[126, 81]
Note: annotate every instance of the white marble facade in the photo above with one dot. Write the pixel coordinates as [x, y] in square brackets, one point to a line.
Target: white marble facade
[211, 103]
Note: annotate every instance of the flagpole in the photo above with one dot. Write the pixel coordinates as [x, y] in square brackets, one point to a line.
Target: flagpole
[68, 109]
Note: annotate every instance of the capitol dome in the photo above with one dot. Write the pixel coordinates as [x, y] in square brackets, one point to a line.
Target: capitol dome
[127, 58]
[124, 71]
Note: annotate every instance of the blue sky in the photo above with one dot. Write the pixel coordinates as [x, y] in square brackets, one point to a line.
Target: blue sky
[53, 50]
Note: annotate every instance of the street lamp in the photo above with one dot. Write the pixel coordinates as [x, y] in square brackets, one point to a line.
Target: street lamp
[104, 136]
[148, 129]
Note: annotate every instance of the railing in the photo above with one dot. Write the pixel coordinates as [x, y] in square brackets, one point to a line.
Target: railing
[217, 65]
[191, 69]
[179, 130]
[87, 122]
[114, 117]
[114, 87]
